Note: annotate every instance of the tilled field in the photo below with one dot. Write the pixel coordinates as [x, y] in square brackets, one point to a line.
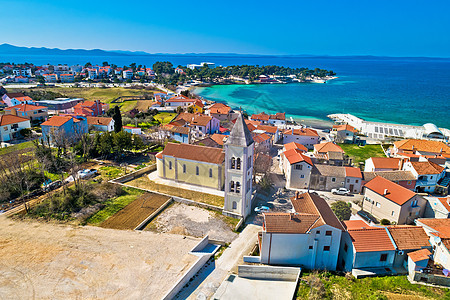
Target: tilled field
[134, 213]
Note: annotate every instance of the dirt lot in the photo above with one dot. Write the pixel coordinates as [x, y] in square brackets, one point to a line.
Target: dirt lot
[51, 261]
[134, 213]
[194, 221]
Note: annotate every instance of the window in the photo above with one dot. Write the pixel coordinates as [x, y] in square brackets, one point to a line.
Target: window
[302, 176]
[318, 232]
[184, 168]
[383, 257]
[234, 205]
[393, 213]
[328, 232]
[348, 180]
[431, 177]
[231, 186]
[233, 163]
[196, 171]
[298, 167]
[310, 247]
[333, 179]
[170, 165]
[238, 164]
[345, 247]
[210, 172]
[326, 248]
[238, 187]
[414, 203]
[378, 205]
[356, 181]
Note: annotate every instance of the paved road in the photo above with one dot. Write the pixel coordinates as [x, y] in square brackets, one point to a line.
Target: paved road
[212, 276]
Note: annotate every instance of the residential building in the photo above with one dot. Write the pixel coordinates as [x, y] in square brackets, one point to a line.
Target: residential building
[296, 168]
[132, 129]
[326, 178]
[12, 99]
[92, 73]
[309, 237]
[405, 179]
[220, 111]
[272, 131]
[88, 108]
[306, 136]
[295, 145]
[60, 105]
[421, 147]
[192, 164]
[239, 152]
[437, 207]
[262, 118]
[197, 106]
[344, 133]
[387, 200]
[330, 154]
[25, 72]
[200, 123]
[278, 119]
[427, 174]
[21, 79]
[438, 231]
[376, 164]
[179, 101]
[262, 142]
[177, 133]
[50, 78]
[36, 113]
[100, 123]
[127, 74]
[11, 125]
[67, 77]
[59, 128]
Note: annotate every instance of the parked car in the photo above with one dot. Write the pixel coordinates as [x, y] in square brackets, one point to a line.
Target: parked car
[261, 209]
[52, 185]
[368, 217]
[340, 191]
[87, 173]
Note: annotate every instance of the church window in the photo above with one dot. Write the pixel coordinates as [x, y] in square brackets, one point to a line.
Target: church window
[231, 186]
[184, 168]
[233, 163]
[210, 172]
[196, 171]
[234, 205]
[170, 165]
[238, 187]
[238, 164]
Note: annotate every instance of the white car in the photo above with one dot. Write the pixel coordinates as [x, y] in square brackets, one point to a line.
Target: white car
[87, 173]
[340, 191]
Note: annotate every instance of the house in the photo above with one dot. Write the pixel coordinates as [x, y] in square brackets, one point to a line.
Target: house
[36, 113]
[132, 129]
[50, 78]
[100, 123]
[12, 99]
[220, 111]
[197, 106]
[60, 128]
[427, 174]
[437, 207]
[330, 154]
[192, 164]
[216, 140]
[272, 131]
[200, 123]
[262, 142]
[60, 105]
[179, 100]
[67, 78]
[344, 133]
[308, 237]
[278, 119]
[24, 72]
[11, 125]
[438, 231]
[127, 74]
[376, 164]
[296, 168]
[88, 108]
[295, 145]
[420, 147]
[388, 200]
[326, 178]
[21, 79]
[306, 136]
[177, 133]
[405, 179]
[92, 73]
[262, 118]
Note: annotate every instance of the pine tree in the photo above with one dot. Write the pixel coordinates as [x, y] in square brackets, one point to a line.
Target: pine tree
[117, 117]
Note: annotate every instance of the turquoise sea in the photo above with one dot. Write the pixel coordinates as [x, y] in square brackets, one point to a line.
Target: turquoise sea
[407, 91]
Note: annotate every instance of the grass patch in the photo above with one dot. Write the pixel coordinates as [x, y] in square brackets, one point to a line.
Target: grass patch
[110, 172]
[145, 183]
[16, 147]
[164, 117]
[114, 205]
[361, 153]
[325, 285]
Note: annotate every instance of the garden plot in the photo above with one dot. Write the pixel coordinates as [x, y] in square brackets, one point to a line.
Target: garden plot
[136, 212]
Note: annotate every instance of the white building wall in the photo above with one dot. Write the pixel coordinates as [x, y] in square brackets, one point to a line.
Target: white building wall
[307, 141]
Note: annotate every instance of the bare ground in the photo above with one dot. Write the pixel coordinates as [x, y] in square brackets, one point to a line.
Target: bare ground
[53, 261]
[194, 221]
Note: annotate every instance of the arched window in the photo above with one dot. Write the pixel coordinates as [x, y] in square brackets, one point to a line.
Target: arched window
[196, 170]
[238, 187]
[234, 205]
[210, 172]
[184, 168]
[233, 163]
[231, 186]
[238, 163]
[170, 165]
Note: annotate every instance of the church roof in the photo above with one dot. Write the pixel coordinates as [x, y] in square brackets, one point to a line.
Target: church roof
[240, 135]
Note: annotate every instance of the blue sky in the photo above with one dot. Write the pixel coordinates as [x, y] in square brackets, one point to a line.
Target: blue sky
[326, 27]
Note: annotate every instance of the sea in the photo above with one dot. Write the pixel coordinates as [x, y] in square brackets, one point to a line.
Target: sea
[396, 90]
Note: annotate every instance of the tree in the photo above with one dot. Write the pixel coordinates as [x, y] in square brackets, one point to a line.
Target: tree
[117, 117]
[105, 63]
[342, 210]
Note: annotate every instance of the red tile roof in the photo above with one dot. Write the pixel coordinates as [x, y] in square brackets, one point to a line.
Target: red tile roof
[294, 145]
[303, 131]
[355, 224]
[262, 117]
[396, 193]
[419, 255]
[345, 127]
[295, 155]
[195, 152]
[409, 237]
[219, 138]
[278, 116]
[56, 121]
[98, 120]
[426, 167]
[440, 225]
[386, 163]
[11, 119]
[262, 137]
[219, 108]
[353, 172]
[371, 239]
[445, 202]
[267, 128]
[327, 147]
[422, 146]
[26, 107]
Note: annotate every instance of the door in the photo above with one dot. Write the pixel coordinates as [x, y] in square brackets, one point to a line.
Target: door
[351, 188]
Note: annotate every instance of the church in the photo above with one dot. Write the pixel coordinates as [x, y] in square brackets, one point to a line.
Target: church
[229, 169]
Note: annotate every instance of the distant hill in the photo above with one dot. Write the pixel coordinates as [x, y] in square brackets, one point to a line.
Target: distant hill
[11, 49]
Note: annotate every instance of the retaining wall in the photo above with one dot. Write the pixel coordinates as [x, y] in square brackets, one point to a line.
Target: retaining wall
[133, 175]
[154, 214]
[269, 272]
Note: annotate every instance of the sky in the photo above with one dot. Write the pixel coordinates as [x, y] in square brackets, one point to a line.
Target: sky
[326, 27]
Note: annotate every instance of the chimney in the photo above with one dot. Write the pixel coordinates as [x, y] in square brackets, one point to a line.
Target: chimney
[296, 194]
[401, 162]
[385, 192]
